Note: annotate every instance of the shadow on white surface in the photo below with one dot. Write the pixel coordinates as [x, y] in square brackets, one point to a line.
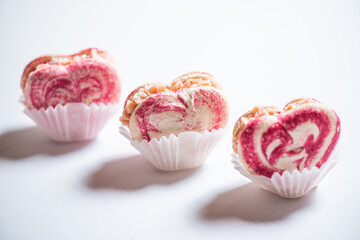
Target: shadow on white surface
[251, 203]
[27, 142]
[132, 173]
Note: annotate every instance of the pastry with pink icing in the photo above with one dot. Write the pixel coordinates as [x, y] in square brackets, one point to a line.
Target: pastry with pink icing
[303, 135]
[71, 97]
[88, 76]
[191, 103]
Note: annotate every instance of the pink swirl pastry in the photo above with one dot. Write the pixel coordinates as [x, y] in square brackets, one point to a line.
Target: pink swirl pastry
[302, 136]
[88, 76]
[192, 102]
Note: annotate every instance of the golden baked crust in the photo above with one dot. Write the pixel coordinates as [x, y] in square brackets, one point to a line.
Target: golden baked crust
[297, 102]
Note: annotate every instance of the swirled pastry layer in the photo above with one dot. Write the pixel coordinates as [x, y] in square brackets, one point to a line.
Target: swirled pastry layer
[304, 135]
[192, 102]
[87, 77]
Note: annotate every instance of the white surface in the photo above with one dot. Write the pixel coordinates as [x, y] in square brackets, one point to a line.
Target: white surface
[262, 52]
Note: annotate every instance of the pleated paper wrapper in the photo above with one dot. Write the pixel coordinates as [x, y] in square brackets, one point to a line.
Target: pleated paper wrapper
[187, 150]
[289, 185]
[73, 122]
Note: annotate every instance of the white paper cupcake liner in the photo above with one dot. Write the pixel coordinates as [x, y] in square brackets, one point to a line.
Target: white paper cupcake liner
[288, 185]
[74, 121]
[187, 150]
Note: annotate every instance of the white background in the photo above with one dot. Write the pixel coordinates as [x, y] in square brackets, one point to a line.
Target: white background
[262, 52]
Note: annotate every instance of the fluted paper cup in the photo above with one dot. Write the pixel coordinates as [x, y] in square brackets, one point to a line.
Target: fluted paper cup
[187, 150]
[288, 185]
[73, 121]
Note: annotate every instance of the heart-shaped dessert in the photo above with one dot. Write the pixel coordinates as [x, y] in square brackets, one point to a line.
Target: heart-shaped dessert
[304, 135]
[192, 102]
[85, 77]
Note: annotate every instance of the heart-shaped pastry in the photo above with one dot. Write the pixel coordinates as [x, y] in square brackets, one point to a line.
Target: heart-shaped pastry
[85, 77]
[304, 135]
[192, 102]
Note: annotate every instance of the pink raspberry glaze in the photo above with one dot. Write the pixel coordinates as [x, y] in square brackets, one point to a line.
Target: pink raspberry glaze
[86, 80]
[165, 113]
[272, 144]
